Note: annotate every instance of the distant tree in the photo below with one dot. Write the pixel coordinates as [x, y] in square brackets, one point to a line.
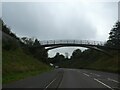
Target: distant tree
[36, 43]
[114, 38]
[27, 41]
[66, 55]
[76, 54]
[9, 40]
[35, 49]
[23, 39]
[7, 30]
[58, 58]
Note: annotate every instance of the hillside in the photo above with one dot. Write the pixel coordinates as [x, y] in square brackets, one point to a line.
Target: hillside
[17, 65]
[105, 63]
[91, 59]
[18, 60]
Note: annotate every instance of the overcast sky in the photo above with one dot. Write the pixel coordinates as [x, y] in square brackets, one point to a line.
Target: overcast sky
[61, 20]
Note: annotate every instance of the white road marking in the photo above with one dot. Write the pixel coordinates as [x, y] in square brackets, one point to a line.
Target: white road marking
[95, 74]
[113, 80]
[103, 84]
[86, 74]
[60, 82]
[50, 83]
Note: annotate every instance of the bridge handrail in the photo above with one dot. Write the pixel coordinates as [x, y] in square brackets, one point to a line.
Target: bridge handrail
[88, 42]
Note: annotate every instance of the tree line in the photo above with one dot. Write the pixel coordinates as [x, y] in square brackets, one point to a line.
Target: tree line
[114, 36]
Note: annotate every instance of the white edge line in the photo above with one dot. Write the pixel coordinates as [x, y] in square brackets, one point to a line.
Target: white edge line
[103, 83]
[113, 80]
[86, 74]
[50, 83]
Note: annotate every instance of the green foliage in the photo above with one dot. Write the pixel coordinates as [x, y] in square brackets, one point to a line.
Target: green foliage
[83, 59]
[92, 59]
[76, 54]
[39, 53]
[114, 38]
[9, 44]
[36, 43]
[27, 41]
[35, 49]
[106, 63]
[58, 58]
[6, 30]
[9, 40]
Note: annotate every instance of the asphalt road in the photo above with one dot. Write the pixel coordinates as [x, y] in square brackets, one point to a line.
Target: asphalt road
[70, 78]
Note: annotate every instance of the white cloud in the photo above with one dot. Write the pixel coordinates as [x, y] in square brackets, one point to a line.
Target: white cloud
[0, 9]
[59, 0]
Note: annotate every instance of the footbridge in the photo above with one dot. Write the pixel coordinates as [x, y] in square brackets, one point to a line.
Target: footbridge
[73, 43]
[96, 45]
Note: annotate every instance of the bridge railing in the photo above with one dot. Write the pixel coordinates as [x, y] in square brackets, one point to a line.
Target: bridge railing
[88, 42]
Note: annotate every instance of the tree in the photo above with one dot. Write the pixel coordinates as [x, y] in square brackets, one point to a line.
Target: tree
[27, 41]
[7, 30]
[114, 38]
[66, 55]
[58, 58]
[76, 54]
[36, 43]
[35, 49]
[9, 39]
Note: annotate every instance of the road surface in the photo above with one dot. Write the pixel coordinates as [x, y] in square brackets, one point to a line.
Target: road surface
[69, 78]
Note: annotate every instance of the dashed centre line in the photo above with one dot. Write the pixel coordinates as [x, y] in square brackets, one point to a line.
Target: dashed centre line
[113, 80]
[86, 74]
[95, 74]
[103, 84]
[98, 80]
[50, 83]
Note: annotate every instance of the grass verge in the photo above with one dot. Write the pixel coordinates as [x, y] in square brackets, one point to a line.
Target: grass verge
[17, 65]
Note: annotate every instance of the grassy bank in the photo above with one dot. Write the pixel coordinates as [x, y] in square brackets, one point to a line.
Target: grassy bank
[95, 60]
[17, 65]
[105, 63]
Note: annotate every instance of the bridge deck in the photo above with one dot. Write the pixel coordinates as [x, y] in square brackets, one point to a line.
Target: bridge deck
[87, 42]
